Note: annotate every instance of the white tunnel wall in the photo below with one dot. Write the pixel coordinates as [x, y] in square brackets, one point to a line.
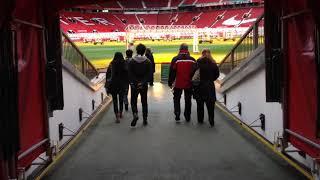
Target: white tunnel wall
[251, 92]
[76, 95]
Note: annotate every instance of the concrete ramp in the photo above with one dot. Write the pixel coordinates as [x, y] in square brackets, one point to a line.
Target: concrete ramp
[165, 150]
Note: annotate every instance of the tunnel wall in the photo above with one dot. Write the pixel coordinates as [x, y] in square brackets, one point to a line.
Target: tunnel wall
[78, 93]
[251, 92]
[76, 96]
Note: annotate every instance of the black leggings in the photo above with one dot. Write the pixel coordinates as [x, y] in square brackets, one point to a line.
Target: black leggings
[117, 97]
[200, 109]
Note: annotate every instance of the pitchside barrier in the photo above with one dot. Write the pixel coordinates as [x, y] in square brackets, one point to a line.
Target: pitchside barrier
[163, 32]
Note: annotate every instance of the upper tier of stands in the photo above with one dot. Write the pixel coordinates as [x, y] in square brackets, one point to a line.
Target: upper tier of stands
[111, 22]
[125, 4]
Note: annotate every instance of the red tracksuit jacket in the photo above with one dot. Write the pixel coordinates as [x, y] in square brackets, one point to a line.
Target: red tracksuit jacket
[180, 71]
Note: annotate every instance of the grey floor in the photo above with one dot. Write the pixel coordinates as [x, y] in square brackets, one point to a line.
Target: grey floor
[165, 150]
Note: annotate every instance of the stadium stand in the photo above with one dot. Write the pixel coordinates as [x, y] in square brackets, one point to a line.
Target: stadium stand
[184, 18]
[189, 2]
[113, 22]
[207, 1]
[206, 19]
[143, 4]
[110, 4]
[154, 4]
[175, 3]
[130, 4]
[148, 19]
[229, 18]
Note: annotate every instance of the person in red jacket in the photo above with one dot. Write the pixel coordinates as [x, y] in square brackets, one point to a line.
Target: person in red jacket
[180, 80]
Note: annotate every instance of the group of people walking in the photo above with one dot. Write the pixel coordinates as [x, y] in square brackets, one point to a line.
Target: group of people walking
[136, 71]
[188, 76]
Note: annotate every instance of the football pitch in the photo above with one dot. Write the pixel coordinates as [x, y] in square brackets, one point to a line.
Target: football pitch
[163, 51]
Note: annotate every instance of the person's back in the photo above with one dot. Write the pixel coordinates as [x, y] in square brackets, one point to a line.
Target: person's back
[149, 55]
[209, 72]
[140, 68]
[180, 74]
[129, 53]
[204, 92]
[182, 65]
[116, 83]
[119, 75]
[209, 69]
[139, 76]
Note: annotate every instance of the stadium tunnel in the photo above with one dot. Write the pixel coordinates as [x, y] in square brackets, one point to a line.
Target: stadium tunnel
[35, 79]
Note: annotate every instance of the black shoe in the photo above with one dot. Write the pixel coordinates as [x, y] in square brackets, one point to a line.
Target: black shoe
[187, 119]
[117, 121]
[117, 118]
[134, 121]
[200, 122]
[145, 122]
[177, 118]
[126, 106]
[211, 123]
[151, 84]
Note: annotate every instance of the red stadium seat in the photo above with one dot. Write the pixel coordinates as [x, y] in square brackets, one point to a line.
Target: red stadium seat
[154, 4]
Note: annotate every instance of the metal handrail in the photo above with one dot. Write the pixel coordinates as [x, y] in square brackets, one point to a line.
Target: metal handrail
[79, 60]
[242, 41]
[303, 139]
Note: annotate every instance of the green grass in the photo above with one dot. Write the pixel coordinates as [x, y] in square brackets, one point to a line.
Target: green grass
[101, 55]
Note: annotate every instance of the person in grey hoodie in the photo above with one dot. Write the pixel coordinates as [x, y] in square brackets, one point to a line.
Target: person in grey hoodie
[139, 76]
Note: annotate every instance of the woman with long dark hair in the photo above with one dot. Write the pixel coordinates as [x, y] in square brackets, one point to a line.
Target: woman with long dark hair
[204, 91]
[116, 81]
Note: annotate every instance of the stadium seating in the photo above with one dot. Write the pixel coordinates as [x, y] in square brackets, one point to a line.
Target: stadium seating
[87, 23]
[148, 19]
[175, 3]
[206, 19]
[154, 4]
[184, 18]
[208, 1]
[125, 4]
[189, 2]
[129, 18]
[108, 22]
[165, 18]
[110, 4]
[194, 2]
[130, 4]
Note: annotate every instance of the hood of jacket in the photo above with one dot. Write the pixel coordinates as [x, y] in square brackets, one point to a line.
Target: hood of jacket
[139, 58]
[204, 60]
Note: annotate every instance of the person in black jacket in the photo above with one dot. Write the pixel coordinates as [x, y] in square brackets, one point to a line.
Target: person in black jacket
[129, 53]
[149, 55]
[139, 76]
[117, 77]
[205, 92]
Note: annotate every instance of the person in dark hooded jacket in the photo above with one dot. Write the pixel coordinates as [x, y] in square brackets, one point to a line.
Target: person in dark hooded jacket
[205, 92]
[149, 55]
[117, 77]
[139, 77]
[129, 53]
